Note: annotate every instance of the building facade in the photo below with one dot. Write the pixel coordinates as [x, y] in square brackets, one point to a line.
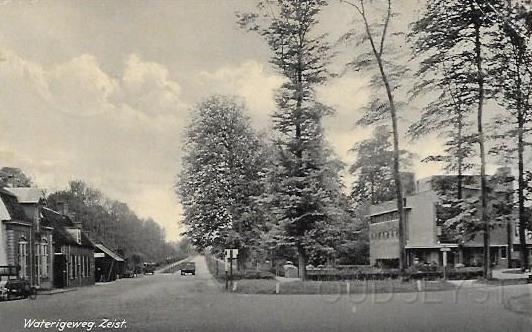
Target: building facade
[73, 251]
[109, 265]
[26, 239]
[424, 235]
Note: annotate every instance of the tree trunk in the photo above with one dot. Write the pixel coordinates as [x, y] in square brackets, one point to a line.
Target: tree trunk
[521, 179]
[393, 115]
[396, 169]
[460, 160]
[483, 184]
[302, 261]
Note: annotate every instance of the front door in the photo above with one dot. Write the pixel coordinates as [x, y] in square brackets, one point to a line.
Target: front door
[60, 271]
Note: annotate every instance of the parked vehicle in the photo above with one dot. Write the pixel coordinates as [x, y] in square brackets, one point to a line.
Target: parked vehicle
[149, 268]
[138, 270]
[13, 287]
[188, 267]
[128, 274]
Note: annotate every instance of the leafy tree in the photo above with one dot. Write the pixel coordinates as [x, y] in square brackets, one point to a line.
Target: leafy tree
[449, 115]
[462, 34]
[387, 78]
[113, 223]
[220, 177]
[14, 177]
[300, 194]
[515, 81]
[460, 219]
[374, 168]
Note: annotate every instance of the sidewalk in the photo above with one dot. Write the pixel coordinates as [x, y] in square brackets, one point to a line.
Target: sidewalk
[55, 291]
[506, 274]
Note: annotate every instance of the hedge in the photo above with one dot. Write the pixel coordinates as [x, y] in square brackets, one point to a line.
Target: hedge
[370, 273]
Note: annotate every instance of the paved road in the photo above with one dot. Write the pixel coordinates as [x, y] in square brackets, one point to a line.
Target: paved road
[171, 302]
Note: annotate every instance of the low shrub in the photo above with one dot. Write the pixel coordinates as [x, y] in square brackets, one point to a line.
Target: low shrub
[372, 273]
[253, 274]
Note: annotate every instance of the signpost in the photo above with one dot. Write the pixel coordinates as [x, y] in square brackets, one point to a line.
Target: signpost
[230, 254]
[444, 250]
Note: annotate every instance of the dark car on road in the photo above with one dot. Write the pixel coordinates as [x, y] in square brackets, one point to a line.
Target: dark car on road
[188, 267]
[128, 274]
[149, 268]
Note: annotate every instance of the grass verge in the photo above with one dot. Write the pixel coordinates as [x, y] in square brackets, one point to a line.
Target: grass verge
[339, 287]
[502, 282]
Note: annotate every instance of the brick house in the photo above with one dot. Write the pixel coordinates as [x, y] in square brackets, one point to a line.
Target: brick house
[26, 237]
[72, 249]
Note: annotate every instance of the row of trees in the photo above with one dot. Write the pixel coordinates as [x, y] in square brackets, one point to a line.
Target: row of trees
[105, 220]
[113, 223]
[477, 54]
[469, 54]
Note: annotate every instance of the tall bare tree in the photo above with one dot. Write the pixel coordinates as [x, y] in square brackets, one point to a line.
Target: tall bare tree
[515, 81]
[376, 35]
[463, 34]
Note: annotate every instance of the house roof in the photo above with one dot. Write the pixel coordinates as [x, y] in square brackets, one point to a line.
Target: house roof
[4, 213]
[60, 223]
[14, 210]
[109, 252]
[26, 194]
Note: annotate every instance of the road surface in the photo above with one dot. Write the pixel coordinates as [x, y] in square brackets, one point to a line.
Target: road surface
[171, 302]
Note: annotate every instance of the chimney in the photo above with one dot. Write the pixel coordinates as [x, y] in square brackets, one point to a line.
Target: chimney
[78, 224]
[64, 209]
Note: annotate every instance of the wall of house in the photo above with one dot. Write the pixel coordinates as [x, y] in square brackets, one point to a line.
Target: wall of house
[43, 275]
[33, 271]
[384, 243]
[422, 220]
[3, 244]
[80, 265]
[16, 233]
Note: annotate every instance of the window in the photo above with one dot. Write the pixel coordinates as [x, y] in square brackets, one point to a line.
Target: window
[84, 265]
[504, 253]
[44, 257]
[72, 265]
[23, 257]
[87, 266]
[78, 266]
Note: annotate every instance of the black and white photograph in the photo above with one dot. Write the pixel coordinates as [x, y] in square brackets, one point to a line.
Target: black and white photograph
[265, 165]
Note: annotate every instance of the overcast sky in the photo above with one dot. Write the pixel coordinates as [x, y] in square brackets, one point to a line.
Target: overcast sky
[100, 90]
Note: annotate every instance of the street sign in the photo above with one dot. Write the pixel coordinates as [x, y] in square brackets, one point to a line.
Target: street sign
[231, 253]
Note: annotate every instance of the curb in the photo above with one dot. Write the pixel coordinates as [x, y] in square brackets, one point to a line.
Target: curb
[56, 291]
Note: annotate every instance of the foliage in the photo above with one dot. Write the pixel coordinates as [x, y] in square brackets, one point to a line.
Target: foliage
[515, 80]
[381, 60]
[464, 35]
[222, 162]
[14, 177]
[113, 223]
[374, 168]
[459, 218]
[303, 179]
